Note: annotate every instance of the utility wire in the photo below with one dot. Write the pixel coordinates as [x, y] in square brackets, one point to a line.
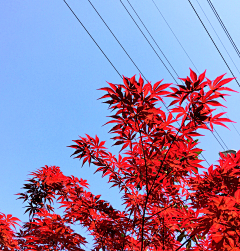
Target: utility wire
[116, 39]
[163, 55]
[151, 46]
[120, 44]
[105, 54]
[152, 37]
[218, 36]
[213, 42]
[99, 46]
[92, 38]
[191, 59]
[226, 52]
[216, 48]
[174, 35]
[234, 127]
[224, 28]
[204, 158]
[232, 124]
[147, 40]
[218, 140]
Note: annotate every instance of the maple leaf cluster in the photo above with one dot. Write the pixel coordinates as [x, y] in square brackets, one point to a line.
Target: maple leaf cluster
[168, 204]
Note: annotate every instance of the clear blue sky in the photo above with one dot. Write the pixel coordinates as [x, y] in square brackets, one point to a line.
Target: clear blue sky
[50, 70]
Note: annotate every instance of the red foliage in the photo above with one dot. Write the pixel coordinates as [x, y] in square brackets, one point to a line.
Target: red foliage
[168, 204]
[7, 236]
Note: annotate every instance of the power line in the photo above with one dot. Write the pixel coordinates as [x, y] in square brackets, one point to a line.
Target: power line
[147, 40]
[174, 35]
[204, 158]
[152, 38]
[99, 46]
[217, 35]
[213, 42]
[116, 39]
[234, 127]
[226, 52]
[105, 54]
[224, 28]
[232, 124]
[119, 43]
[216, 48]
[221, 139]
[162, 53]
[92, 38]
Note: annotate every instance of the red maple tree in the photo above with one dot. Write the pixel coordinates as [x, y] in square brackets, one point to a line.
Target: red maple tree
[169, 205]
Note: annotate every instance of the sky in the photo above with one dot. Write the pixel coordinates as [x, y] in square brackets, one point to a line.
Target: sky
[50, 70]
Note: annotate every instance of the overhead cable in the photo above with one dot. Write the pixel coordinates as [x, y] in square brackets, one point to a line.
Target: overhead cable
[232, 123]
[147, 40]
[149, 44]
[92, 38]
[217, 36]
[175, 35]
[116, 39]
[213, 42]
[164, 56]
[226, 52]
[105, 54]
[224, 28]
[152, 38]
[221, 139]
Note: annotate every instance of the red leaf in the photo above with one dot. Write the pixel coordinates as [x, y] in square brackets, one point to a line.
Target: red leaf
[226, 89]
[225, 120]
[219, 123]
[140, 80]
[202, 76]
[214, 103]
[118, 143]
[193, 75]
[173, 102]
[157, 84]
[237, 196]
[109, 90]
[161, 87]
[218, 79]
[225, 81]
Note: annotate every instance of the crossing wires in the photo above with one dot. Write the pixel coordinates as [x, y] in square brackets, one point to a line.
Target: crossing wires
[161, 59]
[148, 41]
[213, 41]
[218, 36]
[175, 35]
[216, 45]
[165, 57]
[122, 45]
[92, 38]
[224, 28]
[224, 49]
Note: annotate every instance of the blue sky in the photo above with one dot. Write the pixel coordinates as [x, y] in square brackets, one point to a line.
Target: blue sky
[50, 71]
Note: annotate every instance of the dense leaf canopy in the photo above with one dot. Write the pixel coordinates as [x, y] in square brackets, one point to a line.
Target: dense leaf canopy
[168, 204]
